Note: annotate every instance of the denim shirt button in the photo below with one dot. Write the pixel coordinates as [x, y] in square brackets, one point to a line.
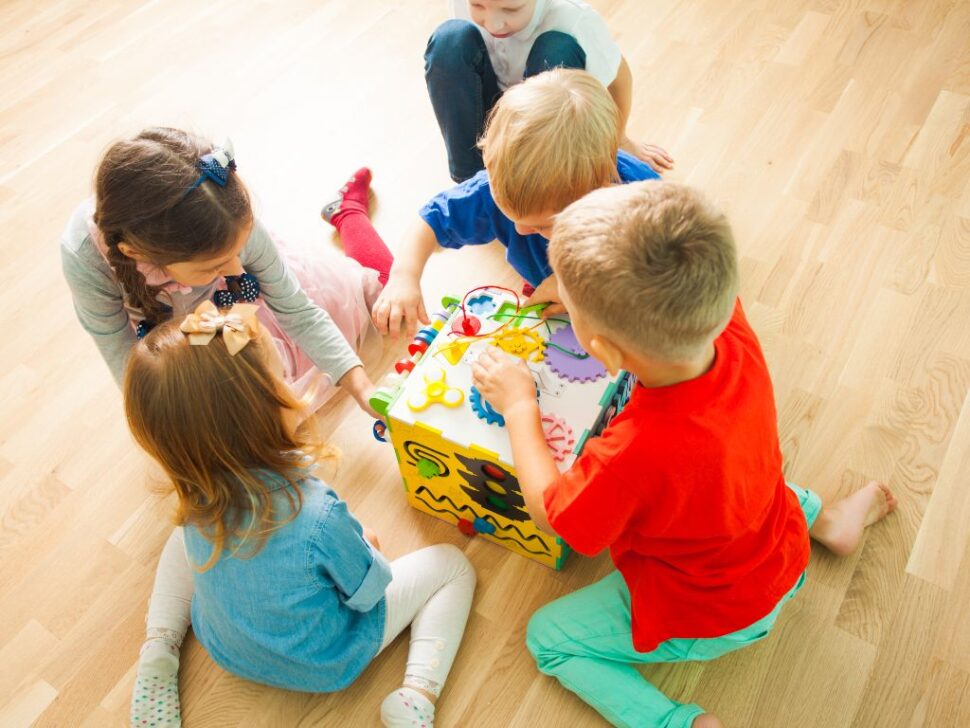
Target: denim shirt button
[439, 645]
[435, 662]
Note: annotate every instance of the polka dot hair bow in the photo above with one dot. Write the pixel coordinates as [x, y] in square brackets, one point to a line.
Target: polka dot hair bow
[238, 325]
[244, 288]
[216, 165]
[146, 325]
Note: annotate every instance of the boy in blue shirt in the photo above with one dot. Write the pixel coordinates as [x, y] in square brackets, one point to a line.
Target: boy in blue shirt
[550, 140]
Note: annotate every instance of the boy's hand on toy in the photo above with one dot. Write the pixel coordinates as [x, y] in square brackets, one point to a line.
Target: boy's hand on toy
[503, 380]
[399, 301]
[371, 538]
[547, 292]
[657, 157]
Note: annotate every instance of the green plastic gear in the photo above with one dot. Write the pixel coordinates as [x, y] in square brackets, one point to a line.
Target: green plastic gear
[428, 468]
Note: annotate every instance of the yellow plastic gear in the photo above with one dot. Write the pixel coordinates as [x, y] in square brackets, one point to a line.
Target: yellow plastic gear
[525, 344]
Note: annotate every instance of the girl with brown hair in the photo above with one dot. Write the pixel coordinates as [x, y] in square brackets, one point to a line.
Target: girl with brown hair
[286, 587]
[171, 225]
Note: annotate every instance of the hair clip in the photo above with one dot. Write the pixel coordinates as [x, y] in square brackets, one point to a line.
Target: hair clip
[238, 325]
[239, 289]
[216, 165]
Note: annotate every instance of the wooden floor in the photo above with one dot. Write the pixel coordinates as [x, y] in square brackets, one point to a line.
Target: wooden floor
[836, 134]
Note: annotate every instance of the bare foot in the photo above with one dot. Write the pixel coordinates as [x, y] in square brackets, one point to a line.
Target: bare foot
[839, 527]
[706, 720]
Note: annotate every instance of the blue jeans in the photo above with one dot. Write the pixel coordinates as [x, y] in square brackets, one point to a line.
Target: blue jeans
[585, 641]
[463, 87]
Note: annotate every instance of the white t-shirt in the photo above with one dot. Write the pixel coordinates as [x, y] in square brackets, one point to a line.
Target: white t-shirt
[572, 17]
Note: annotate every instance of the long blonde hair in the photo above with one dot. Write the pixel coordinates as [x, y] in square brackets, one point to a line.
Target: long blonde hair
[213, 421]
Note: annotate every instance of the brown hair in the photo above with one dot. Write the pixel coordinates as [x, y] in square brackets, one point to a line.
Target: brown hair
[143, 198]
[653, 263]
[550, 140]
[211, 421]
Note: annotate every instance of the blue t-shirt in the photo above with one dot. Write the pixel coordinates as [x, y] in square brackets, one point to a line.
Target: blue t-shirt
[307, 611]
[466, 214]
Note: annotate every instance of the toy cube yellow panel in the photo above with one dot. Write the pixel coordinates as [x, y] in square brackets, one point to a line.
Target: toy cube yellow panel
[453, 448]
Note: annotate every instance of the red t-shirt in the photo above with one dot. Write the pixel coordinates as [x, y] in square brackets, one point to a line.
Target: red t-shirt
[685, 487]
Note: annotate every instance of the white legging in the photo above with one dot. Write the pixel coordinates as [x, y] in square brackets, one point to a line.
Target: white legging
[431, 590]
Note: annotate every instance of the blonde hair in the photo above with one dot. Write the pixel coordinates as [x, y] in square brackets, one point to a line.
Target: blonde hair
[211, 421]
[550, 140]
[654, 263]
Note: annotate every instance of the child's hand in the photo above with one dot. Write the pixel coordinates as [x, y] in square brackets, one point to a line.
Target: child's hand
[547, 292]
[503, 380]
[658, 158]
[360, 387]
[371, 538]
[399, 301]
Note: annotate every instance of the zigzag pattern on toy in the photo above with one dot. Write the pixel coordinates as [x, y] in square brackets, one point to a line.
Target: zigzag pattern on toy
[423, 489]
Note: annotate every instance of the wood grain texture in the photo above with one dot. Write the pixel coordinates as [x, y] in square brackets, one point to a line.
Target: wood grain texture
[836, 134]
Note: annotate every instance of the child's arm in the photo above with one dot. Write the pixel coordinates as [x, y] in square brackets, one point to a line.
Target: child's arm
[506, 383]
[307, 324]
[349, 557]
[462, 215]
[99, 305]
[401, 298]
[622, 92]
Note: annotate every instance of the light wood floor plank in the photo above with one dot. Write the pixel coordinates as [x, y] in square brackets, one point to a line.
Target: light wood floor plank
[836, 134]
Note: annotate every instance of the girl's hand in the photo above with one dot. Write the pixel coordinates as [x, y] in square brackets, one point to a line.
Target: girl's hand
[360, 387]
[657, 157]
[371, 538]
[503, 380]
[399, 301]
[547, 292]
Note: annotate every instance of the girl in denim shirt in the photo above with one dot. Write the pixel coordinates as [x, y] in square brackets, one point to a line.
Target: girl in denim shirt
[286, 587]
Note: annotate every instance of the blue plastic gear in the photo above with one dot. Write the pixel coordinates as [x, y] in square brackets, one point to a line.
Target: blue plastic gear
[484, 410]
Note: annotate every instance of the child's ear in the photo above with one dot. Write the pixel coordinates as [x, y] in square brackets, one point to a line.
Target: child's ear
[130, 252]
[607, 352]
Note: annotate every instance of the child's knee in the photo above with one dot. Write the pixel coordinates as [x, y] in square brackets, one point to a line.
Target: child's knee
[451, 559]
[554, 49]
[539, 633]
[454, 46]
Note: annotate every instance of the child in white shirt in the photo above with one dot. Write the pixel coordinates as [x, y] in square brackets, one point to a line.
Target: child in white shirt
[490, 45]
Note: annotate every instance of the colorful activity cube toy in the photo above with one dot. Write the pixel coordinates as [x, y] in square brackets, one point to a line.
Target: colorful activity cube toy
[452, 446]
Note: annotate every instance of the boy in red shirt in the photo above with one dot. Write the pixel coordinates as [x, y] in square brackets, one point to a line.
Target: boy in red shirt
[685, 486]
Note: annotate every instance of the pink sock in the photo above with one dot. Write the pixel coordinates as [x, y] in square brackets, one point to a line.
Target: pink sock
[360, 239]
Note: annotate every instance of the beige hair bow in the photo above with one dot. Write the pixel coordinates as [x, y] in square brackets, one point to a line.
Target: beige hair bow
[238, 325]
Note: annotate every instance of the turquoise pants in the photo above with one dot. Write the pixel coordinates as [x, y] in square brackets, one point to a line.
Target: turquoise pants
[585, 641]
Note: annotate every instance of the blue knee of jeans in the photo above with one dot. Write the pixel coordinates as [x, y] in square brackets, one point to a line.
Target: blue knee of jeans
[455, 46]
[554, 49]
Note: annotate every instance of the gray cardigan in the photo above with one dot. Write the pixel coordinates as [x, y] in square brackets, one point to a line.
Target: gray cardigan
[103, 312]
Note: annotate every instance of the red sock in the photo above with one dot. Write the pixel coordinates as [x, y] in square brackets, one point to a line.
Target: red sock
[360, 239]
[355, 192]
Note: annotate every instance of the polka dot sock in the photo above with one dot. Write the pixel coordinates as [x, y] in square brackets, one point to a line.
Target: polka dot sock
[407, 708]
[155, 699]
